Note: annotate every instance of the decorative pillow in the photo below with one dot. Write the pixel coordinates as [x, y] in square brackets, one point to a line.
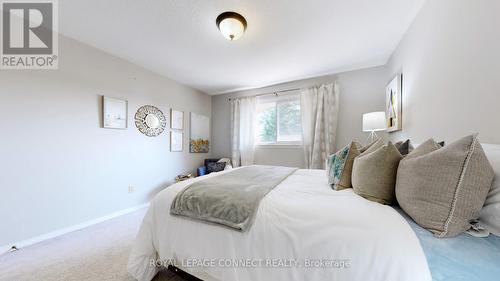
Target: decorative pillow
[374, 173]
[443, 190]
[490, 213]
[427, 147]
[228, 163]
[373, 146]
[404, 147]
[339, 166]
[215, 167]
[366, 147]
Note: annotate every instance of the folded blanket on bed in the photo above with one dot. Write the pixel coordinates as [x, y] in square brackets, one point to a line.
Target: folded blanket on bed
[229, 199]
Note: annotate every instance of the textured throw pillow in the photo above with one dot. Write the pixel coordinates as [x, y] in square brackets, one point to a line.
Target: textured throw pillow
[373, 146]
[339, 166]
[366, 147]
[374, 173]
[426, 147]
[215, 167]
[228, 163]
[443, 190]
[404, 147]
[490, 213]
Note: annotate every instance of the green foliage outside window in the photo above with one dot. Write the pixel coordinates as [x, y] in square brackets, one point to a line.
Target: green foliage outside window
[280, 122]
[267, 121]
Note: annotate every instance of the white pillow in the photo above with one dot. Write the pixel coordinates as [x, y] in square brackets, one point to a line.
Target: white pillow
[490, 213]
[228, 163]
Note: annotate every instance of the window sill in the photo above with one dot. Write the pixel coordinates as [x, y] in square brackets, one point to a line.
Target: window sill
[278, 146]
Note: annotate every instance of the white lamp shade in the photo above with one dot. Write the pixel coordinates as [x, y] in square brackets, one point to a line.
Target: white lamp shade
[231, 28]
[374, 121]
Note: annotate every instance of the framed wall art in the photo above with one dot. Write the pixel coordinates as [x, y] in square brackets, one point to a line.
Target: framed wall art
[393, 103]
[200, 133]
[176, 119]
[114, 113]
[176, 141]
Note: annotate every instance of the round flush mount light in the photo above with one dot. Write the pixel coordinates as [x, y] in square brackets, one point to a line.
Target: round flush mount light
[232, 25]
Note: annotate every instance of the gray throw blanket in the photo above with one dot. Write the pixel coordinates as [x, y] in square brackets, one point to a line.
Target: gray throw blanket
[230, 199]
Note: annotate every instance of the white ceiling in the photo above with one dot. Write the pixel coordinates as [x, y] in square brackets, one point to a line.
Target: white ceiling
[285, 39]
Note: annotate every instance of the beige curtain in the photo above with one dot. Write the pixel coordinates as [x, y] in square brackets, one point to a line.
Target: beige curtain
[319, 107]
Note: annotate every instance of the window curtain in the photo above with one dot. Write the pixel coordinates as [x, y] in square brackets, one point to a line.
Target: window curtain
[243, 114]
[319, 109]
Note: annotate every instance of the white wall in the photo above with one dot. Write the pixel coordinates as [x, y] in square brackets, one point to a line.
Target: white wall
[58, 167]
[450, 60]
[361, 91]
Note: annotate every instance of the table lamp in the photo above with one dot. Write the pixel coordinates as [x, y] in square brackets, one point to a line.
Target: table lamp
[374, 122]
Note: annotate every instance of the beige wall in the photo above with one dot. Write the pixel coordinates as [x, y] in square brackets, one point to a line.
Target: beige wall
[58, 167]
[450, 61]
[360, 92]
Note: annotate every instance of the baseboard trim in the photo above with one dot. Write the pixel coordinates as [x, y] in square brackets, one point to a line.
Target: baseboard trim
[24, 243]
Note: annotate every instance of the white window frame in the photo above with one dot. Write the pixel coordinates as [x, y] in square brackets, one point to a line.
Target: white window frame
[283, 98]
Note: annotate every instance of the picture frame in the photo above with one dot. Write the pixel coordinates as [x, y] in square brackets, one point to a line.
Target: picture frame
[176, 141]
[199, 133]
[176, 119]
[393, 104]
[114, 113]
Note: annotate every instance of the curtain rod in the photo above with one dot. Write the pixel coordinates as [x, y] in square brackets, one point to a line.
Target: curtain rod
[273, 93]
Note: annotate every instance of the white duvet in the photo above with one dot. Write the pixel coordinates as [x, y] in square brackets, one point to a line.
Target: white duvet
[303, 230]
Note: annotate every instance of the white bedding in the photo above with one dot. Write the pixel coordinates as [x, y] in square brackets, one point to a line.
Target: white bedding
[301, 222]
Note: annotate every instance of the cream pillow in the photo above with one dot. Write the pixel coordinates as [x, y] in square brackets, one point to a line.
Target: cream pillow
[374, 172]
[443, 189]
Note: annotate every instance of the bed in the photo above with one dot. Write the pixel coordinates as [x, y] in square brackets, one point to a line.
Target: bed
[302, 231]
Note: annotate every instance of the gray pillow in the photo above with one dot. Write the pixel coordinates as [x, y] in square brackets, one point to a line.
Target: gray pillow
[374, 173]
[404, 147]
[443, 189]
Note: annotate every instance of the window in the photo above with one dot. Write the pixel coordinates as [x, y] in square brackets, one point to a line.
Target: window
[278, 120]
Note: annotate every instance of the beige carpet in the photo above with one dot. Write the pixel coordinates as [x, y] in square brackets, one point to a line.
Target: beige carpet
[99, 252]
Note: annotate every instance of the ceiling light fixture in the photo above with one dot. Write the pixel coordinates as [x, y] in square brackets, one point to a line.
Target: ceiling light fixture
[232, 25]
